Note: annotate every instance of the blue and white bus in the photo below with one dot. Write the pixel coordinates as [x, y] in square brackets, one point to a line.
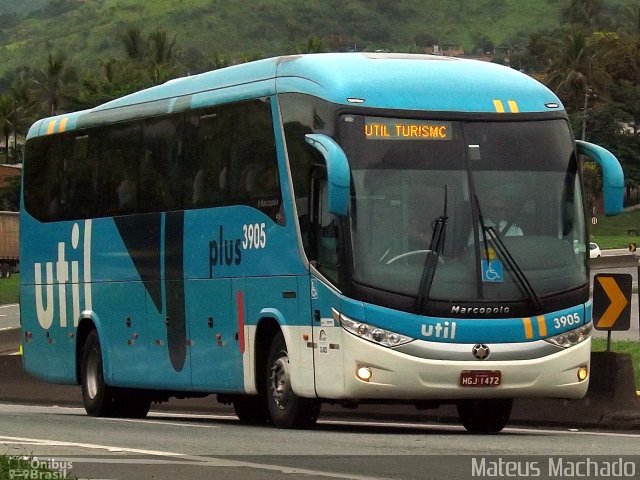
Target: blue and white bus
[345, 228]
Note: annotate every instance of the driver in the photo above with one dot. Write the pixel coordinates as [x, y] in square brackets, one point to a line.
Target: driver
[495, 210]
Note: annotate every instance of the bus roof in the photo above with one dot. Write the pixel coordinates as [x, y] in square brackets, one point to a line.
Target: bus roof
[378, 80]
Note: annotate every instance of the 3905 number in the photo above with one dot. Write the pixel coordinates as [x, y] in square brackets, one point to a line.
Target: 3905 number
[255, 236]
[566, 320]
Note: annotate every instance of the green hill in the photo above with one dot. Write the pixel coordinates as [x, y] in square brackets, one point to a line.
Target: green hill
[89, 30]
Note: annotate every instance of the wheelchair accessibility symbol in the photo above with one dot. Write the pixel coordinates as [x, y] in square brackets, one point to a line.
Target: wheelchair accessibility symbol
[492, 271]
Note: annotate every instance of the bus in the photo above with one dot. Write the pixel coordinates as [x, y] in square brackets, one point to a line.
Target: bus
[313, 229]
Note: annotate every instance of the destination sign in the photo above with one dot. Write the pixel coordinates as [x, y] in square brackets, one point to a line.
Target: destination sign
[378, 128]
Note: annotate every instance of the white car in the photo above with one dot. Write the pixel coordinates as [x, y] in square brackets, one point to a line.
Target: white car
[594, 250]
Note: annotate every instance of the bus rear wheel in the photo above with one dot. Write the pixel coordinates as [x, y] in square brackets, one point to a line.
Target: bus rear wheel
[100, 399]
[486, 415]
[96, 394]
[130, 404]
[286, 409]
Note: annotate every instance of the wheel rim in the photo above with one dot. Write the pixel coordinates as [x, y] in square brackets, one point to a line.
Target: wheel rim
[281, 382]
[92, 375]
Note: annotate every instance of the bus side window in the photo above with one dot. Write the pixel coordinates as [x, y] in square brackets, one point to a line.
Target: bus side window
[82, 191]
[302, 160]
[253, 163]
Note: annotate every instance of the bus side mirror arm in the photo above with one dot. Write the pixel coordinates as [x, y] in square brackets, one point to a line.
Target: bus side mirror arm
[612, 175]
[338, 172]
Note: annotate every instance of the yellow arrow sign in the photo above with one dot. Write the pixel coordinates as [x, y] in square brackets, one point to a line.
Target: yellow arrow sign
[618, 302]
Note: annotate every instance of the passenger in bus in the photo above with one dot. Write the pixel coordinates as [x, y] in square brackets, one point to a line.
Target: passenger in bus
[127, 194]
[249, 181]
[152, 183]
[208, 185]
[268, 182]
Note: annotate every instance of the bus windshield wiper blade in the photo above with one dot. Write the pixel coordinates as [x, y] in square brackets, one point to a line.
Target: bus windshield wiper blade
[513, 265]
[436, 248]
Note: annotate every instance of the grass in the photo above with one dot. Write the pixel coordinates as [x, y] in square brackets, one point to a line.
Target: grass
[613, 232]
[621, 346]
[9, 288]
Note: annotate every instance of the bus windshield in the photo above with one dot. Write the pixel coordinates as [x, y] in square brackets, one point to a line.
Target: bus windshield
[470, 182]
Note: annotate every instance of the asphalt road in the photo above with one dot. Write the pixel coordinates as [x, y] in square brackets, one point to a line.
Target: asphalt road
[175, 446]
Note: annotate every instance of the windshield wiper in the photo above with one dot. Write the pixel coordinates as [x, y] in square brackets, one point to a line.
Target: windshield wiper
[436, 247]
[504, 253]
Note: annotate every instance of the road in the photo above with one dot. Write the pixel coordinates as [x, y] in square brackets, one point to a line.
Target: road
[171, 445]
[9, 317]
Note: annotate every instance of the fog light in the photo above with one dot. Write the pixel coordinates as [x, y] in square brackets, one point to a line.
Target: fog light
[364, 374]
[583, 373]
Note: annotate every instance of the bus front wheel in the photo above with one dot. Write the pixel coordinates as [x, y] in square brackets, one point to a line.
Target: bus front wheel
[251, 409]
[486, 415]
[286, 409]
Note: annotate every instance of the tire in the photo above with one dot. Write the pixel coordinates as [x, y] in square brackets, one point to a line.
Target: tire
[101, 400]
[485, 416]
[286, 409]
[251, 409]
[96, 394]
[130, 404]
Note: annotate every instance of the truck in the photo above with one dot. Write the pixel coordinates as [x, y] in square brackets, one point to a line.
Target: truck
[9, 250]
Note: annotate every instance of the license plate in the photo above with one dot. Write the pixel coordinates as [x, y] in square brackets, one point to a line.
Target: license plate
[480, 378]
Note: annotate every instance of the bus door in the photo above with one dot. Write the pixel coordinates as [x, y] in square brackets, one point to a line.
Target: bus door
[324, 297]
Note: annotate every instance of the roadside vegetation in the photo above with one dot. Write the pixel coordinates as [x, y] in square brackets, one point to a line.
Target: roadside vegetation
[9, 290]
[617, 232]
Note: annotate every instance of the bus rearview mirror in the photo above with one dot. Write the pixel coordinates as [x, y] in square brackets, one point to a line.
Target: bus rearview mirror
[612, 175]
[338, 172]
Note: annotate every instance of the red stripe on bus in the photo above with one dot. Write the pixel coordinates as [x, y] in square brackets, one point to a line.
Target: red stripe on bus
[240, 307]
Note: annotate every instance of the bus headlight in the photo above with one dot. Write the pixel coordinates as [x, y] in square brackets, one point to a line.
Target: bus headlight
[572, 337]
[368, 332]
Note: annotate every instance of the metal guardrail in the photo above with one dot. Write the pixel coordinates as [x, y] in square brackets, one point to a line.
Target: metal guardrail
[614, 261]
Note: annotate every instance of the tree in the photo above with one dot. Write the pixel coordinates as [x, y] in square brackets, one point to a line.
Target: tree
[10, 194]
[163, 60]
[588, 15]
[56, 82]
[24, 106]
[155, 54]
[134, 44]
[576, 72]
[6, 122]
[314, 44]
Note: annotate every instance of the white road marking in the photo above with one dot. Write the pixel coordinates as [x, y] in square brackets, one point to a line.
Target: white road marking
[92, 446]
[9, 305]
[56, 410]
[184, 459]
[157, 422]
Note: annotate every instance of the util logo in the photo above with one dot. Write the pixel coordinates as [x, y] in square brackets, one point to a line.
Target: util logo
[45, 307]
[440, 331]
